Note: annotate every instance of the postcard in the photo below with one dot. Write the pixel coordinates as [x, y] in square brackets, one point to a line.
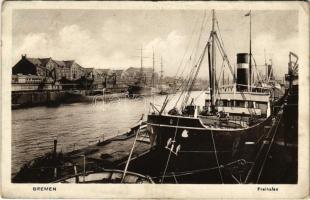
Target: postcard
[161, 100]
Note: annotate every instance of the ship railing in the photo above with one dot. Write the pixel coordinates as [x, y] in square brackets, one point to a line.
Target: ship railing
[230, 87]
[232, 121]
[259, 89]
[233, 88]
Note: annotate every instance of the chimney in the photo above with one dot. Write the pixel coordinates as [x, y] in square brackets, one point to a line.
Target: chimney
[24, 56]
[242, 71]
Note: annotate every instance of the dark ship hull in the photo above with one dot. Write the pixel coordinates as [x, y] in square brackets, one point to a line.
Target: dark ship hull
[207, 154]
[199, 136]
[139, 90]
[204, 151]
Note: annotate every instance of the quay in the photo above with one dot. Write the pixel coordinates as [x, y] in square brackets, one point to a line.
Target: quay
[107, 154]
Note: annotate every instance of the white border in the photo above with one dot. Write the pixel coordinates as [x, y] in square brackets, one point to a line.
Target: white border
[300, 190]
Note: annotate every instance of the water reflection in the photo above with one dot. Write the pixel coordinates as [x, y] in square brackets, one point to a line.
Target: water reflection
[75, 125]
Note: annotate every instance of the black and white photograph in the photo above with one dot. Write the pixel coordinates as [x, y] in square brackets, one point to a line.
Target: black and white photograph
[156, 94]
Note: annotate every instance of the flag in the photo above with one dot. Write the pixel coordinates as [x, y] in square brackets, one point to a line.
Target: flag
[248, 14]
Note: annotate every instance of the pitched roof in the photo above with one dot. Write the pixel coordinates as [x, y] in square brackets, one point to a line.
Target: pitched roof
[78, 64]
[103, 71]
[44, 61]
[118, 71]
[34, 61]
[60, 63]
[68, 63]
[89, 69]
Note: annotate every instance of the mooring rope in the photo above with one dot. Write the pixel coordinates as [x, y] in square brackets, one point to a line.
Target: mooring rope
[260, 151]
[265, 158]
[175, 178]
[131, 151]
[190, 172]
[167, 163]
[185, 173]
[217, 161]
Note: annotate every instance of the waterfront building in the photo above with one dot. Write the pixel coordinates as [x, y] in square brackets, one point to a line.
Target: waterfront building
[103, 72]
[120, 84]
[62, 71]
[68, 69]
[133, 74]
[119, 73]
[89, 73]
[76, 71]
[112, 80]
[30, 82]
[99, 76]
[32, 66]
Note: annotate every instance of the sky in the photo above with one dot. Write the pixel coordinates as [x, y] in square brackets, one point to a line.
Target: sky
[112, 38]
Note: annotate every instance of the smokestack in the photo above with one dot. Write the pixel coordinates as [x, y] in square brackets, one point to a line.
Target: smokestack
[270, 72]
[242, 71]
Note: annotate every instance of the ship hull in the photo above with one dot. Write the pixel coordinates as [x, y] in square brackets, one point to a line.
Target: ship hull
[202, 147]
[199, 136]
[137, 90]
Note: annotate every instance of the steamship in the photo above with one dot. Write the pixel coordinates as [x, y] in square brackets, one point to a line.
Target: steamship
[195, 138]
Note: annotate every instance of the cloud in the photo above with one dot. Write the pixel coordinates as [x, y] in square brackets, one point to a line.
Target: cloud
[75, 43]
[74, 35]
[70, 42]
[114, 41]
[171, 48]
[276, 50]
[34, 44]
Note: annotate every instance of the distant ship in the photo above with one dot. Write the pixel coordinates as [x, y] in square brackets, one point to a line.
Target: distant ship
[164, 89]
[140, 87]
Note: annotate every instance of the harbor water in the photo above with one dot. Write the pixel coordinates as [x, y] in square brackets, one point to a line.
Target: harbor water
[76, 125]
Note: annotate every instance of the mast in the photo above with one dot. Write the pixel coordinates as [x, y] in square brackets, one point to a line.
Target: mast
[250, 61]
[161, 70]
[153, 70]
[266, 67]
[213, 72]
[141, 65]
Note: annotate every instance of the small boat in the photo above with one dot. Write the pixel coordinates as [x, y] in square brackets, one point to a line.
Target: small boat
[107, 176]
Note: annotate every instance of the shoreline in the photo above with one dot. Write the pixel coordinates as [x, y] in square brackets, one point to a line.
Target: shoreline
[32, 99]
